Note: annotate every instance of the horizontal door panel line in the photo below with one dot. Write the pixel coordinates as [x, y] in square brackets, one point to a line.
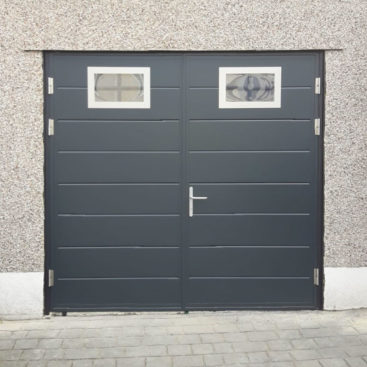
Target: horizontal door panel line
[108, 215]
[119, 306]
[121, 184]
[118, 151]
[243, 306]
[288, 87]
[117, 120]
[248, 214]
[251, 183]
[252, 119]
[249, 151]
[298, 87]
[121, 278]
[250, 278]
[177, 214]
[251, 246]
[116, 183]
[85, 88]
[116, 247]
[118, 215]
[224, 246]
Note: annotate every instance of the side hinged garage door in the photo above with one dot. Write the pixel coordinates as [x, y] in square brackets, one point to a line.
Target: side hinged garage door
[183, 180]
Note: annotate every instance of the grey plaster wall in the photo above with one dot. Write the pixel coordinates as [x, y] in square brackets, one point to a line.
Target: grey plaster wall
[27, 27]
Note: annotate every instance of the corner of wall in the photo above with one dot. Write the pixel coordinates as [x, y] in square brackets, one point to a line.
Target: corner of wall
[21, 295]
[345, 288]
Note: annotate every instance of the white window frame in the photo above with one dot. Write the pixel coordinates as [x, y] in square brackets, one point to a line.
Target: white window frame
[92, 103]
[276, 70]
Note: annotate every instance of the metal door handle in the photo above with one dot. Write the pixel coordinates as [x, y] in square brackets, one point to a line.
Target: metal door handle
[191, 200]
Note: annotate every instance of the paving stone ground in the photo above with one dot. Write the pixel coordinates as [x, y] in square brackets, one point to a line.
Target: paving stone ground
[235, 339]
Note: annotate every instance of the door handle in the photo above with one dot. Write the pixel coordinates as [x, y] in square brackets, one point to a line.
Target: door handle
[191, 200]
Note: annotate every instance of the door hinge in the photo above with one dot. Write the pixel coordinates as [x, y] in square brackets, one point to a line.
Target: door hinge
[317, 85]
[51, 278]
[50, 85]
[317, 126]
[316, 276]
[51, 127]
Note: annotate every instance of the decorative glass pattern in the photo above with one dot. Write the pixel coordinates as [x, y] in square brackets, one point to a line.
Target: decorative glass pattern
[249, 87]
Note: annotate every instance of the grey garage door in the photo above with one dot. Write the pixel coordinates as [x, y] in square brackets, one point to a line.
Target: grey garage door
[182, 181]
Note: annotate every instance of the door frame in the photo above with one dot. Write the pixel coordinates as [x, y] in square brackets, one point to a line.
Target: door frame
[48, 164]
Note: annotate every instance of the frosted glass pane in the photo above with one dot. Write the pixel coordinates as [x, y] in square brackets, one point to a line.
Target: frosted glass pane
[250, 87]
[119, 87]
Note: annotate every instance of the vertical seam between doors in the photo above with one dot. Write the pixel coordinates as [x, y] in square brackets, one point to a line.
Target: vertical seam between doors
[184, 184]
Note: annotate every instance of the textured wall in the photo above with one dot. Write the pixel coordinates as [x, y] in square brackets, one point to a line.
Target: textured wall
[180, 25]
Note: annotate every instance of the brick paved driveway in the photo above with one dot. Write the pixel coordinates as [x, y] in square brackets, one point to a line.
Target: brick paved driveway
[247, 338]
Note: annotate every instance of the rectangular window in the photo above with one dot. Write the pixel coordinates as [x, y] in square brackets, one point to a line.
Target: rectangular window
[118, 87]
[250, 87]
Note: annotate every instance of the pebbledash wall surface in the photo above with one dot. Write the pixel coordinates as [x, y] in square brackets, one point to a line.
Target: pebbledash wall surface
[27, 28]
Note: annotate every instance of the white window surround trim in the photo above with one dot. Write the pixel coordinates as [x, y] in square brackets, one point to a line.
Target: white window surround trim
[92, 70]
[276, 70]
